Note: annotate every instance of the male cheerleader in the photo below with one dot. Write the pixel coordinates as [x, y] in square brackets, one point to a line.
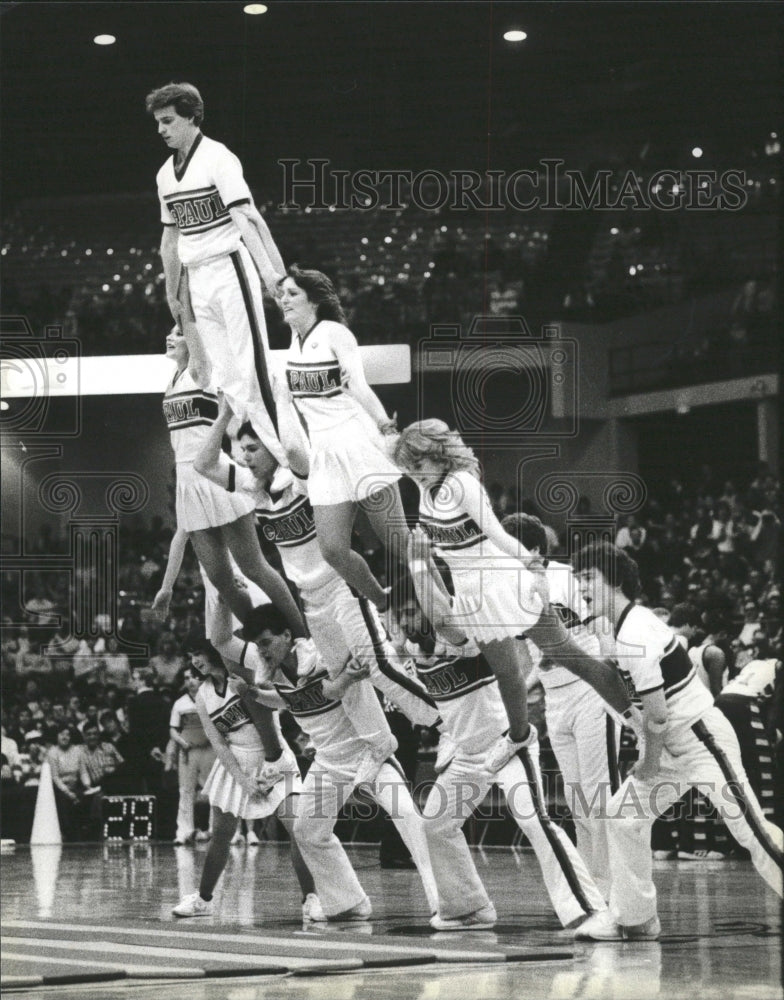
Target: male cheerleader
[341, 623]
[294, 677]
[583, 729]
[687, 743]
[212, 229]
[466, 691]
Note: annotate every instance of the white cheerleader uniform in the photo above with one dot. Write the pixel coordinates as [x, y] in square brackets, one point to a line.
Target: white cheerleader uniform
[340, 753]
[494, 593]
[342, 623]
[465, 689]
[190, 411]
[232, 721]
[347, 458]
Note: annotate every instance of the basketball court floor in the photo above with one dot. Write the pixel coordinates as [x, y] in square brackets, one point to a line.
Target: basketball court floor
[95, 921]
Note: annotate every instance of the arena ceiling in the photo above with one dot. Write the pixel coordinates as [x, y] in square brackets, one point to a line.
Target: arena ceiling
[384, 85]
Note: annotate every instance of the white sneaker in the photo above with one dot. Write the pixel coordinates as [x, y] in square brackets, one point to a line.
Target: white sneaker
[602, 927]
[479, 920]
[312, 910]
[238, 840]
[701, 855]
[252, 839]
[202, 836]
[362, 911]
[502, 751]
[664, 855]
[193, 906]
[447, 750]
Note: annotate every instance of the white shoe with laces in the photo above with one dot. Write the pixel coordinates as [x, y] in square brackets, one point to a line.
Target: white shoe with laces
[193, 906]
[602, 927]
[312, 910]
[502, 751]
[252, 839]
[362, 911]
[481, 919]
[238, 840]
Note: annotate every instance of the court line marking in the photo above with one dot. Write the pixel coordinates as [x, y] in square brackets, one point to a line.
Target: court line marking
[116, 947]
[295, 942]
[119, 967]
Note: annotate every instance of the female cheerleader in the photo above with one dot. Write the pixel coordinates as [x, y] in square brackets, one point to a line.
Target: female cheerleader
[496, 597]
[346, 426]
[217, 522]
[243, 783]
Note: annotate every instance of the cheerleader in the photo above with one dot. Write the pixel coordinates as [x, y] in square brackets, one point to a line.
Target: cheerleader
[243, 782]
[346, 427]
[217, 523]
[496, 596]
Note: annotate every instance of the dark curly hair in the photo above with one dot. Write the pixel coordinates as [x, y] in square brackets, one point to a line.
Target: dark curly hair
[183, 97]
[319, 290]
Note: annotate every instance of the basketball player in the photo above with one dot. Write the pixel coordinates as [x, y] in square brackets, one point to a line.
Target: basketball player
[584, 733]
[462, 681]
[303, 686]
[688, 743]
[216, 522]
[346, 427]
[212, 229]
[340, 623]
[196, 755]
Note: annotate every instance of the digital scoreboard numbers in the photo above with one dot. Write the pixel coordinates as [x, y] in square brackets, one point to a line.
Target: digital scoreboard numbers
[128, 817]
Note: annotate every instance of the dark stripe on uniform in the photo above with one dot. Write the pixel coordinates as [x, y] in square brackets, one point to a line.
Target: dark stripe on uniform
[262, 375]
[706, 737]
[553, 839]
[612, 754]
[232, 484]
[386, 668]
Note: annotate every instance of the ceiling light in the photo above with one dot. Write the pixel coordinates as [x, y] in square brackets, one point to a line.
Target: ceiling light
[104, 39]
[515, 36]
[255, 8]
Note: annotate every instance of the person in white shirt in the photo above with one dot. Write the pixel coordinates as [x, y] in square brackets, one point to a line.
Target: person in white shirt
[213, 230]
[195, 755]
[687, 742]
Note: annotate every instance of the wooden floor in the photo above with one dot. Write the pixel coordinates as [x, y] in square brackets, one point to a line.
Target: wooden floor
[721, 927]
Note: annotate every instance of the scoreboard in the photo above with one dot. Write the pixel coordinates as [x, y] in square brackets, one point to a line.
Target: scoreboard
[128, 817]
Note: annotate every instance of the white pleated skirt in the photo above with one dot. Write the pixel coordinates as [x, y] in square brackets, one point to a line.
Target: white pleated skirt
[349, 463]
[494, 601]
[201, 504]
[226, 794]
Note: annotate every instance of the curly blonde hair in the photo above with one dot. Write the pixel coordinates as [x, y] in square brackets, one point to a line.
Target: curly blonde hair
[434, 439]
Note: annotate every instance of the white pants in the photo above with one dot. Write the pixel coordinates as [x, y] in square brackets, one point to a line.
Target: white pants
[457, 793]
[193, 769]
[323, 794]
[342, 625]
[584, 738]
[225, 295]
[705, 756]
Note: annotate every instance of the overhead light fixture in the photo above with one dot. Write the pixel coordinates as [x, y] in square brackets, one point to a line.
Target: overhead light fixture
[696, 152]
[515, 36]
[255, 8]
[104, 39]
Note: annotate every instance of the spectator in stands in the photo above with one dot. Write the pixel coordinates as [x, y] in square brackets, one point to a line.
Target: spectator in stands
[65, 760]
[168, 663]
[98, 773]
[751, 623]
[8, 747]
[624, 538]
[116, 665]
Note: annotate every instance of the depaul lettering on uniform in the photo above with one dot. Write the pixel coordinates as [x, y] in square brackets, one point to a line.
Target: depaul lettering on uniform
[321, 380]
[190, 409]
[195, 211]
[289, 526]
